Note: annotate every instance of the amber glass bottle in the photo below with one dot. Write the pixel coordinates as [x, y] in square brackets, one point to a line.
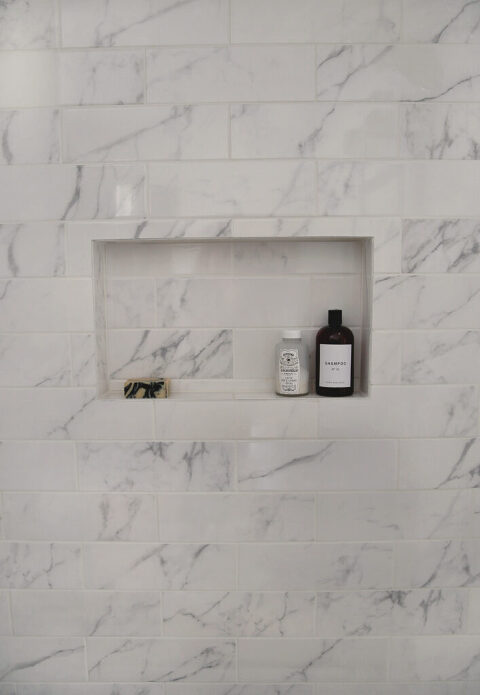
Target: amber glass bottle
[334, 357]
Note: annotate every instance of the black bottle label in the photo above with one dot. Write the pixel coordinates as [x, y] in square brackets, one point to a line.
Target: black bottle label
[335, 366]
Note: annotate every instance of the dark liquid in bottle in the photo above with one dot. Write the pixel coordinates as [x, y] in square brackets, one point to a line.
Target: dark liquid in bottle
[334, 358]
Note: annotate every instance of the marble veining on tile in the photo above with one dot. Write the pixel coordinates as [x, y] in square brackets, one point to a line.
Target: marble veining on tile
[235, 545]
[180, 354]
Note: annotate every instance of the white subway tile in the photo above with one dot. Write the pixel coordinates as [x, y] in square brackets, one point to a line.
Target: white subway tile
[391, 612]
[441, 357]
[5, 622]
[390, 515]
[49, 613]
[455, 21]
[405, 72]
[32, 249]
[37, 466]
[266, 419]
[183, 353]
[441, 246]
[439, 131]
[435, 658]
[28, 78]
[438, 463]
[149, 567]
[435, 564]
[28, 25]
[235, 518]
[172, 258]
[46, 304]
[87, 517]
[234, 614]
[160, 659]
[426, 301]
[261, 188]
[230, 73]
[92, 23]
[314, 130]
[149, 466]
[30, 136]
[279, 257]
[316, 465]
[441, 189]
[123, 613]
[101, 77]
[66, 192]
[145, 133]
[34, 360]
[312, 660]
[307, 20]
[40, 566]
[359, 188]
[309, 567]
[30, 659]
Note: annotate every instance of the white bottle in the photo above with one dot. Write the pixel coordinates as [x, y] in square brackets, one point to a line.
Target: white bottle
[291, 365]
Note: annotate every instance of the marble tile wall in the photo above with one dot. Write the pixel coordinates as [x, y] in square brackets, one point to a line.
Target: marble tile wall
[248, 547]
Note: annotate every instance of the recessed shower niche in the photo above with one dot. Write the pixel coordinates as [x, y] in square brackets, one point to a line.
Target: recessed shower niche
[207, 312]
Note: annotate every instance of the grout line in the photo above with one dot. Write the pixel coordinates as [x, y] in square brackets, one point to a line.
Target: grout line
[10, 612]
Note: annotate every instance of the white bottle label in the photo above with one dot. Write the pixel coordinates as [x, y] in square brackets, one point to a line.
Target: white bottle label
[289, 366]
[335, 366]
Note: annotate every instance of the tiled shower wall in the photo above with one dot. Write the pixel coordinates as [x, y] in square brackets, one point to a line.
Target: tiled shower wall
[241, 548]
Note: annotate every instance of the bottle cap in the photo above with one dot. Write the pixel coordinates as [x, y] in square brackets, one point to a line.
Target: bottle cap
[292, 335]
[335, 317]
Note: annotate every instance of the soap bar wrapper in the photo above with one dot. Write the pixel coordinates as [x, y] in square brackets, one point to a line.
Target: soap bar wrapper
[150, 387]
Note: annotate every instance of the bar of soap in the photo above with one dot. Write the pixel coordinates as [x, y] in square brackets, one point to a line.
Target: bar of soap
[146, 388]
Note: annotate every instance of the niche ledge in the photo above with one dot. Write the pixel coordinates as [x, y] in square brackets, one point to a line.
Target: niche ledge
[206, 313]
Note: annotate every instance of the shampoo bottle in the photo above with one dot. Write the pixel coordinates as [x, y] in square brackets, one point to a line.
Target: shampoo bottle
[334, 357]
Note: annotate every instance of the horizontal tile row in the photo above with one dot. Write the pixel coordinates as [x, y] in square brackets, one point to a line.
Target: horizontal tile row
[259, 302]
[391, 411]
[385, 231]
[241, 517]
[284, 187]
[177, 518]
[237, 257]
[262, 465]
[432, 688]
[202, 614]
[95, 23]
[278, 130]
[222, 73]
[296, 188]
[432, 564]
[156, 659]
[262, 188]
[414, 246]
